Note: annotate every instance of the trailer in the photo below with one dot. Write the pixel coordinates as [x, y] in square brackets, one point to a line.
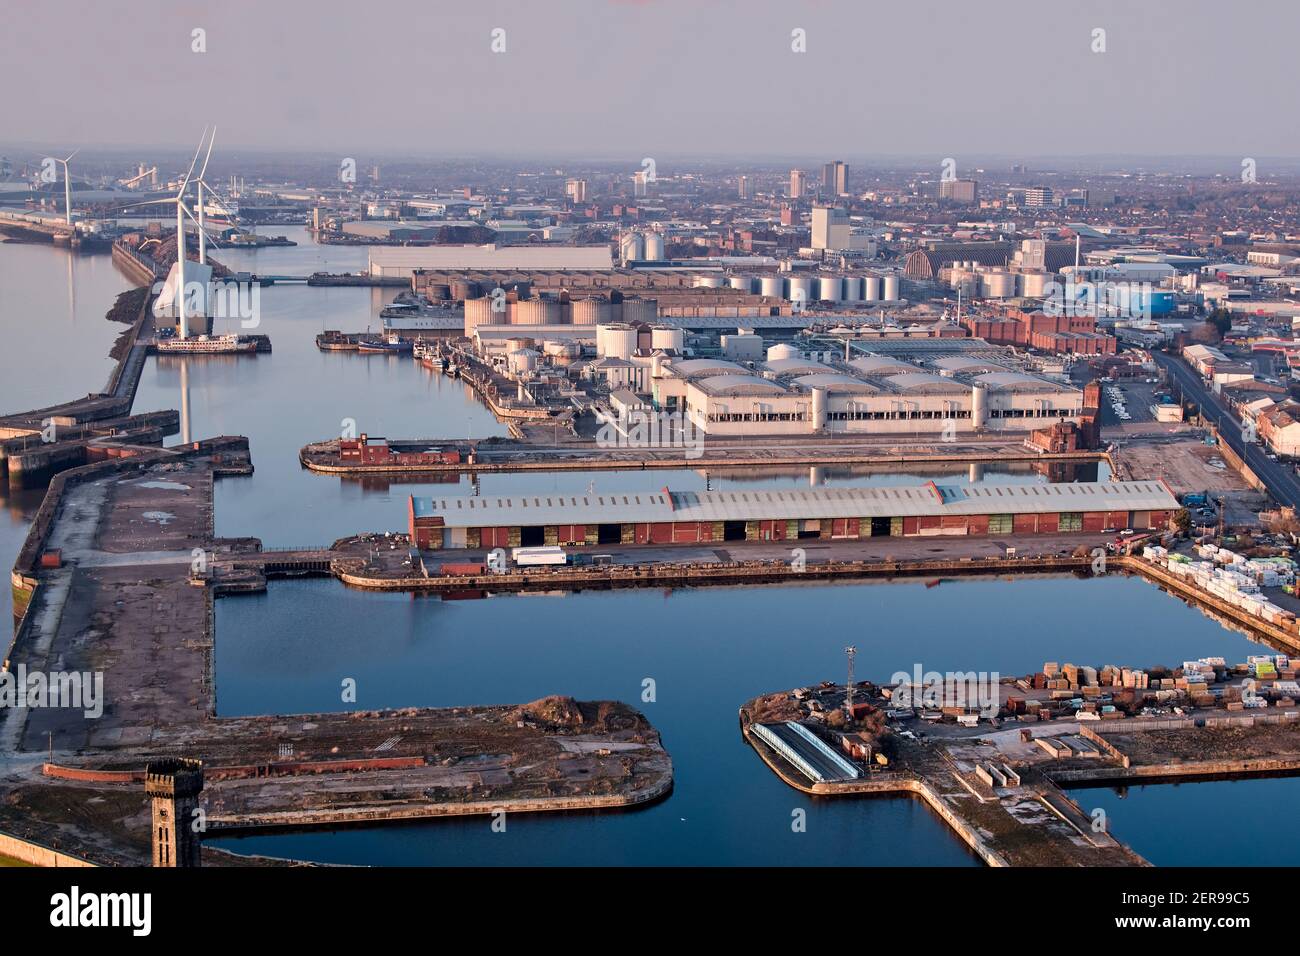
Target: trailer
[535, 557]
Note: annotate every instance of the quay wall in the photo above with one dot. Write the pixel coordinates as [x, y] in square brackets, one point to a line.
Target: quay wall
[37, 854]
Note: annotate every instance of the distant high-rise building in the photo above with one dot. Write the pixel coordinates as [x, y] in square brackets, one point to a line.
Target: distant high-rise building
[639, 183]
[798, 183]
[742, 187]
[959, 190]
[830, 228]
[374, 174]
[835, 178]
[576, 190]
[1039, 196]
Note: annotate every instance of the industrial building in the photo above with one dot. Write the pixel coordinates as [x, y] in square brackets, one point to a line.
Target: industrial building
[932, 386]
[690, 517]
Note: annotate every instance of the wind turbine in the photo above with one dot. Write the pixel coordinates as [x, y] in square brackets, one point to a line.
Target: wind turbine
[67, 187]
[181, 212]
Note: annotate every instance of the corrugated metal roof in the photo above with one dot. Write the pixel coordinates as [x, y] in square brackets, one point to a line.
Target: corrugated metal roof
[905, 501]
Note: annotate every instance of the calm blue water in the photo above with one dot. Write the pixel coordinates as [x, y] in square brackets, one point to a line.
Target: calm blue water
[708, 651]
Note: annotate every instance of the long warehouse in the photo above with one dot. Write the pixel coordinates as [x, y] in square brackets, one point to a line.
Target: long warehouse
[688, 517]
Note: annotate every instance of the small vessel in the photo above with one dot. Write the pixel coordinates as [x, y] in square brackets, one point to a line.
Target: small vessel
[390, 344]
[428, 356]
[205, 344]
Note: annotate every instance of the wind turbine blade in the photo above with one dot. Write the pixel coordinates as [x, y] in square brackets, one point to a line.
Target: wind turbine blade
[193, 162]
[212, 139]
[70, 155]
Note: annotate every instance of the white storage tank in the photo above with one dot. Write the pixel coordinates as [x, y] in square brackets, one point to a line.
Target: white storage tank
[801, 289]
[561, 353]
[667, 337]
[829, 288]
[654, 246]
[979, 406]
[819, 407]
[1035, 284]
[1000, 285]
[743, 283]
[707, 282]
[615, 341]
[852, 288]
[871, 288]
[889, 288]
[632, 249]
[772, 286]
[591, 311]
[522, 361]
[784, 350]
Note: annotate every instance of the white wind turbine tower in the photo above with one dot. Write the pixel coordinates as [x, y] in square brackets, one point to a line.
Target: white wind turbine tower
[181, 212]
[67, 187]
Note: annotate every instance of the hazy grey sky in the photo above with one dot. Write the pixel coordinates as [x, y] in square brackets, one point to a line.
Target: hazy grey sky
[609, 78]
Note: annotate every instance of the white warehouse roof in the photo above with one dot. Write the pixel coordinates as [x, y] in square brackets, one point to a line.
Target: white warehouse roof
[404, 260]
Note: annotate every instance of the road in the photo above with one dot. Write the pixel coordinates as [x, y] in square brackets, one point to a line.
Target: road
[1280, 479]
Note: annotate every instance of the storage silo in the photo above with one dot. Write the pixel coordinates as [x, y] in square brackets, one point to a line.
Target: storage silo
[801, 289]
[819, 406]
[667, 337]
[999, 285]
[632, 248]
[654, 246]
[1035, 284]
[641, 310]
[615, 341]
[871, 288]
[591, 311]
[889, 288]
[772, 286]
[535, 312]
[979, 406]
[479, 312]
[852, 288]
[743, 283]
[438, 291]
[462, 289]
[707, 282]
[829, 288]
[521, 361]
[782, 351]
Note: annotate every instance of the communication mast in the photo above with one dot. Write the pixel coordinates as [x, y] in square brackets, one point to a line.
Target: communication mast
[851, 651]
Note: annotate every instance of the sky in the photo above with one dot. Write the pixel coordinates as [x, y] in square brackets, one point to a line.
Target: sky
[612, 78]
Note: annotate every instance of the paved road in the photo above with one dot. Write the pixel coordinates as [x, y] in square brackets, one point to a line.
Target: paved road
[1279, 478]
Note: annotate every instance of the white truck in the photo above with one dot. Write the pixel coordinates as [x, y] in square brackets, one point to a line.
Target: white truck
[536, 557]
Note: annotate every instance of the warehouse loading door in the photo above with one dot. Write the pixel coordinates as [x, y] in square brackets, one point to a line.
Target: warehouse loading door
[532, 536]
[733, 531]
[609, 534]
[880, 527]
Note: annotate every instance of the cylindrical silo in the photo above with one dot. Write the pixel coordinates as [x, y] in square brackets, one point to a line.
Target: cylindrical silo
[707, 282]
[829, 288]
[632, 249]
[462, 289]
[889, 288]
[667, 337]
[617, 341]
[591, 311]
[1035, 284]
[479, 312]
[999, 285]
[535, 312]
[438, 291]
[801, 289]
[819, 406]
[641, 310]
[871, 288]
[852, 288]
[782, 351]
[773, 286]
[743, 283]
[654, 246]
[979, 406]
[521, 360]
